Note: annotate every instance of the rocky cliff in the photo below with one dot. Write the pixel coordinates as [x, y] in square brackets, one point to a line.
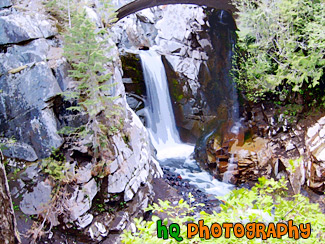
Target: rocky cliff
[33, 74]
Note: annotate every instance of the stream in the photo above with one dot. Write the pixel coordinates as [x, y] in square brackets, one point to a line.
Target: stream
[171, 152]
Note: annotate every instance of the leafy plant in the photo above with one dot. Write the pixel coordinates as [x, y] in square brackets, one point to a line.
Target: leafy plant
[294, 164]
[57, 154]
[123, 204]
[268, 199]
[55, 169]
[280, 47]
[15, 207]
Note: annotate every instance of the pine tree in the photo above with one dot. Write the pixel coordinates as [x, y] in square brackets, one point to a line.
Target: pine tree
[86, 50]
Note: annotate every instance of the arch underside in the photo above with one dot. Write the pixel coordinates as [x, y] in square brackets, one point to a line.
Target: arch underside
[138, 5]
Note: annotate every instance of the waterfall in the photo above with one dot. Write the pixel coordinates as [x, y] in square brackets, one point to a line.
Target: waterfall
[160, 117]
[171, 152]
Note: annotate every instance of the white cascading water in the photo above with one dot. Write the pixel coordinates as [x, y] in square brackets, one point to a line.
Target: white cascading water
[160, 117]
[171, 152]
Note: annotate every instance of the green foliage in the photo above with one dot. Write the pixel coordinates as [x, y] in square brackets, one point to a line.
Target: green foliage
[294, 164]
[290, 112]
[3, 145]
[280, 46]
[15, 206]
[240, 205]
[87, 50]
[122, 204]
[67, 130]
[57, 170]
[57, 154]
[100, 207]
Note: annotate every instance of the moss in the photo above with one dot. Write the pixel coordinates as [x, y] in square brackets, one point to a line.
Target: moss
[176, 90]
[132, 68]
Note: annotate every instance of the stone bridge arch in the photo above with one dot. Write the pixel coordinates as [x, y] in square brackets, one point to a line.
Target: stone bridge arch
[138, 5]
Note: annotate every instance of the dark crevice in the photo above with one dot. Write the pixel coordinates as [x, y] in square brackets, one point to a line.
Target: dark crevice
[5, 7]
[4, 47]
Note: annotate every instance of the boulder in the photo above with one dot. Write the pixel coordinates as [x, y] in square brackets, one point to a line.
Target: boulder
[21, 151]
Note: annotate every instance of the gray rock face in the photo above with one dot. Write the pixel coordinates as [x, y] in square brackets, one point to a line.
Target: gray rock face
[32, 73]
[37, 200]
[25, 108]
[81, 199]
[133, 165]
[5, 3]
[17, 28]
[30, 173]
[21, 151]
[28, 85]
[17, 56]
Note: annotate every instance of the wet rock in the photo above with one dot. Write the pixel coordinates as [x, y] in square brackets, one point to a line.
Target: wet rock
[184, 49]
